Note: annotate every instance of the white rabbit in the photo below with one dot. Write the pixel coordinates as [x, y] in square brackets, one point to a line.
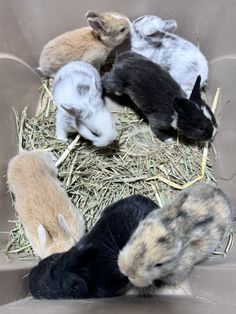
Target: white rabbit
[77, 92]
[152, 37]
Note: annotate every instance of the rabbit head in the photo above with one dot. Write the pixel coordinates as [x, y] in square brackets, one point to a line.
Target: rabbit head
[193, 117]
[98, 127]
[60, 276]
[168, 243]
[111, 27]
[151, 252]
[152, 28]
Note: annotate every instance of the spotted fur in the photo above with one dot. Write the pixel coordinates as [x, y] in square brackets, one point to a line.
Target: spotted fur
[152, 37]
[185, 232]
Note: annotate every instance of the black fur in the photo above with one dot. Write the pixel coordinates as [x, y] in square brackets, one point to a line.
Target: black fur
[89, 269]
[159, 96]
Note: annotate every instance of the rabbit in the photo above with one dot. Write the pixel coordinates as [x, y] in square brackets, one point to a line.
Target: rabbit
[51, 222]
[160, 98]
[152, 37]
[77, 92]
[90, 44]
[169, 242]
[89, 269]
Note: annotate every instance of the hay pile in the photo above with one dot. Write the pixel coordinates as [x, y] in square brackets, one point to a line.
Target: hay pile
[94, 178]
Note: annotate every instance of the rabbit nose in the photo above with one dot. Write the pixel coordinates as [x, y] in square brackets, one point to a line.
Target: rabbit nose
[130, 273]
[158, 283]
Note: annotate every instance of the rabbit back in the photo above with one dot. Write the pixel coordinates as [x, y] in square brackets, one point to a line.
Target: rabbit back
[80, 44]
[42, 203]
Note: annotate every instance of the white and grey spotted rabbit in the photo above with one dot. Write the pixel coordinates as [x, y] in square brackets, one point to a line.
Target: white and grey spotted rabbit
[77, 92]
[170, 241]
[152, 37]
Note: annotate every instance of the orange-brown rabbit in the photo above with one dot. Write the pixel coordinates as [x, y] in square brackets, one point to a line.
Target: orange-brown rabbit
[51, 222]
[90, 44]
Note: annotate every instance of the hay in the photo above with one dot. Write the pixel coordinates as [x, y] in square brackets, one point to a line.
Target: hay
[95, 178]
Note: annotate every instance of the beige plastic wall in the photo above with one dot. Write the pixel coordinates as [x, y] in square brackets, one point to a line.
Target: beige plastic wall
[26, 25]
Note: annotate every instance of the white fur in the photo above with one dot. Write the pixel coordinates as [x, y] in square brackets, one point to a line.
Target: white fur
[169, 140]
[174, 120]
[206, 113]
[94, 117]
[42, 233]
[214, 131]
[63, 223]
[181, 58]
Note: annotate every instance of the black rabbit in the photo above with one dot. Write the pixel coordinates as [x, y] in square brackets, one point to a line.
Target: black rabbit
[90, 269]
[160, 98]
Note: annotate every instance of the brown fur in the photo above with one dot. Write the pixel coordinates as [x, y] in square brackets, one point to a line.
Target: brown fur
[86, 44]
[39, 198]
[170, 241]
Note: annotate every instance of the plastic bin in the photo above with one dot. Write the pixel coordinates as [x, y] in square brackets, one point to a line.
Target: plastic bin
[25, 26]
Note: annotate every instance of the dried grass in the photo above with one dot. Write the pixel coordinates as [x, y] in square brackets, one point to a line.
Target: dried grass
[94, 178]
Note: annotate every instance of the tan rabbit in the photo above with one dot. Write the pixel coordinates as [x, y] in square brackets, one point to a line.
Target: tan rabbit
[89, 44]
[170, 241]
[51, 222]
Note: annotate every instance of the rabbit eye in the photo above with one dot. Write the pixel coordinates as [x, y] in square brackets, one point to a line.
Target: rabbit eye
[122, 29]
[158, 265]
[201, 129]
[95, 134]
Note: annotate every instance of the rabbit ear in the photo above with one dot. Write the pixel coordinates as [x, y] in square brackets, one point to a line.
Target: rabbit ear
[181, 105]
[170, 26]
[63, 224]
[177, 206]
[196, 92]
[96, 22]
[182, 197]
[92, 14]
[156, 34]
[93, 86]
[198, 228]
[71, 110]
[44, 236]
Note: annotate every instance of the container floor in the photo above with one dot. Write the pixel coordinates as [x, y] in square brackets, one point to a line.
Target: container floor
[121, 305]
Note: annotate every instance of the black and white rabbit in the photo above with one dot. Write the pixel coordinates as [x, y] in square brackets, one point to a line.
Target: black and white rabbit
[160, 98]
[90, 269]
